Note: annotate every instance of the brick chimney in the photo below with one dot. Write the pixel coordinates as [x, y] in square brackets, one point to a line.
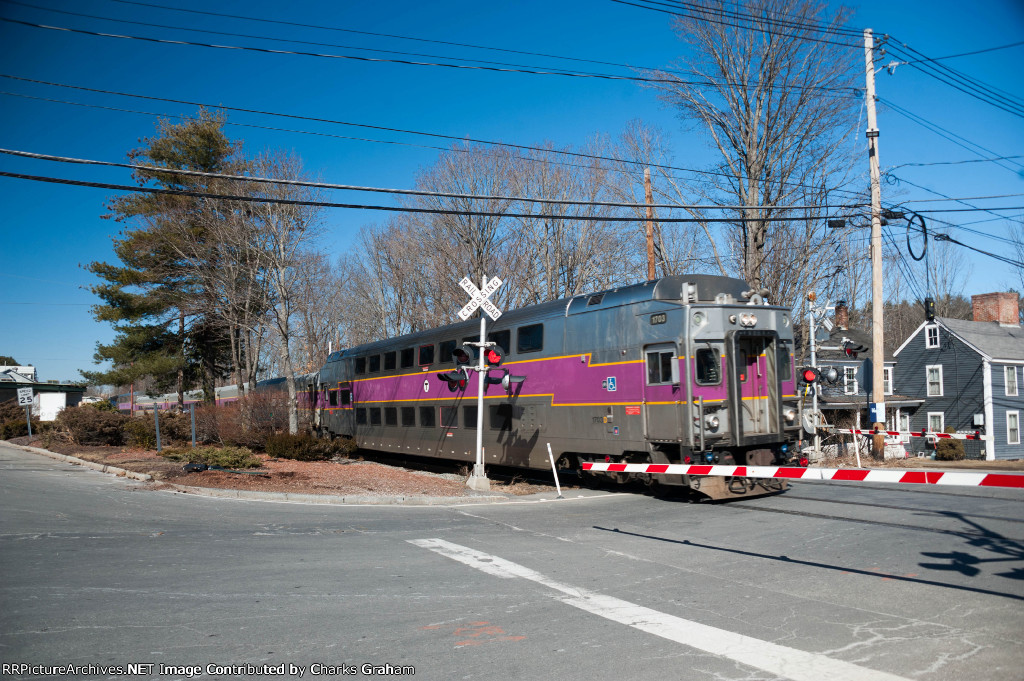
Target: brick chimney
[1003, 308]
[842, 316]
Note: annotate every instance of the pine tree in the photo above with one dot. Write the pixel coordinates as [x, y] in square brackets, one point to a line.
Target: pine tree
[156, 298]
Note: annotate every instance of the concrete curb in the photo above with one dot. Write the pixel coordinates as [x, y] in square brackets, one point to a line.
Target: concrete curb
[101, 467]
[355, 499]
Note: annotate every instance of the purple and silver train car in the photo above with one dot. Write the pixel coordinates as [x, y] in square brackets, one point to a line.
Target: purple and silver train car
[685, 369]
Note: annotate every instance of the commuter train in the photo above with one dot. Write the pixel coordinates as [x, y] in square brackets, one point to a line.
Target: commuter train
[683, 369]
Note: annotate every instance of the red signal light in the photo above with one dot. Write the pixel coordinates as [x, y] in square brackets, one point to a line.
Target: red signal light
[809, 375]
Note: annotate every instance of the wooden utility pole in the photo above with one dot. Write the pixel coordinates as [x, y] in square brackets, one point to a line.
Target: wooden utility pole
[649, 200]
[877, 349]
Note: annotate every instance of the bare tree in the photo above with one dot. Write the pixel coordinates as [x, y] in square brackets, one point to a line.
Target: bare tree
[776, 105]
[282, 234]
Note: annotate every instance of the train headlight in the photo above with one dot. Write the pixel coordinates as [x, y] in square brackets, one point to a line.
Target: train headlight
[748, 319]
[699, 319]
[790, 415]
[711, 423]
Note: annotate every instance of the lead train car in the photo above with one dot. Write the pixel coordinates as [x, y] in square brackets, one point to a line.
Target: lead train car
[684, 369]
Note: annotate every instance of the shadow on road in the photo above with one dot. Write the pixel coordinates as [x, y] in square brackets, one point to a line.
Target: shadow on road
[826, 566]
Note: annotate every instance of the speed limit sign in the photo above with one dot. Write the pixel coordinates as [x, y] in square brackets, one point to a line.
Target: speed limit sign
[24, 397]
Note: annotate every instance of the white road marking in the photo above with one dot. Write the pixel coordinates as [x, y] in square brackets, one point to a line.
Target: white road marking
[790, 663]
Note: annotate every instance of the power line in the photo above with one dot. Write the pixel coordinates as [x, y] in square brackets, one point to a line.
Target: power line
[157, 170]
[321, 55]
[394, 209]
[948, 135]
[702, 15]
[454, 138]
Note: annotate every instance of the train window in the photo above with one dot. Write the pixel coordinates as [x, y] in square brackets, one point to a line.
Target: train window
[426, 355]
[449, 417]
[374, 364]
[360, 365]
[708, 367]
[661, 367]
[444, 352]
[332, 398]
[502, 338]
[374, 416]
[408, 356]
[408, 416]
[595, 299]
[390, 416]
[786, 361]
[361, 416]
[530, 338]
[346, 398]
[469, 417]
[741, 365]
[427, 416]
[389, 361]
[501, 416]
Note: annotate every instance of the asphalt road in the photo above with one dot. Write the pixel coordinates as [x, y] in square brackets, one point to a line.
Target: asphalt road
[825, 582]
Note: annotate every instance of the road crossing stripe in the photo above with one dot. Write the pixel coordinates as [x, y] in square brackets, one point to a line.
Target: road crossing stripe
[894, 475]
[789, 663]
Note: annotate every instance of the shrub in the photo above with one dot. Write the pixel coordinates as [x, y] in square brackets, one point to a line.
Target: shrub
[88, 426]
[226, 457]
[139, 432]
[948, 449]
[305, 447]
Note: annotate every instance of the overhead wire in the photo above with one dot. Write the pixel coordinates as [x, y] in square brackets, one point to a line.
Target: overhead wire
[453, 138]
[158, 170]
[394, 209]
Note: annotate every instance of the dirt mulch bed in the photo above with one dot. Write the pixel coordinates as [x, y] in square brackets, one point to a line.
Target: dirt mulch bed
[345, 477]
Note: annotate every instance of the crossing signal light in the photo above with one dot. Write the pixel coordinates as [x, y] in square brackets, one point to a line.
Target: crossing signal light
[456, 379]
[493, 356]
[929, 309]
[810, 375]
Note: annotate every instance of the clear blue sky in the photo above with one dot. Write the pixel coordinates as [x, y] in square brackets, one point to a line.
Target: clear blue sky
[49, 231]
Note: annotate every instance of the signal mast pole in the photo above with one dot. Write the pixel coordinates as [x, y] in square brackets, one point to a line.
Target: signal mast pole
[877, 352]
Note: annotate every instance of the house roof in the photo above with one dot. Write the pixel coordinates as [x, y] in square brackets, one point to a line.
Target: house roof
[989, 338]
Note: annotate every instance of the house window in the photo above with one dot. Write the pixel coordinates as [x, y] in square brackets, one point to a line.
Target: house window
[1013, 427]
[887, 380]
[931, 336]
[934, 380]
[936, 422]
[849, 380]
[1011, 380]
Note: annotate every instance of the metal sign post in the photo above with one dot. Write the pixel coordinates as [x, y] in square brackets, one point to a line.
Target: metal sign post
[478, 298]
[25, 400]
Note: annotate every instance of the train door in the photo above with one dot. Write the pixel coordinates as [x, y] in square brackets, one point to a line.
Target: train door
[756, 384]
[661, 392]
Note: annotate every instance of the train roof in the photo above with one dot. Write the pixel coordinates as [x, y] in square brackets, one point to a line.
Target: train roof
[685, 288]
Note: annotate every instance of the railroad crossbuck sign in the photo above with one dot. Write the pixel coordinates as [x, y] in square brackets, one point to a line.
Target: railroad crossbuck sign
[479, 298]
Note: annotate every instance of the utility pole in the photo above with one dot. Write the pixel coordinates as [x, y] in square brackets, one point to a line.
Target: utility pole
[877, 352]
[649, 199]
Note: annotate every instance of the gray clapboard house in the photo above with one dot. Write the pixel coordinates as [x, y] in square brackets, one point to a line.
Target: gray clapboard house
[969, 374]
[845, 402]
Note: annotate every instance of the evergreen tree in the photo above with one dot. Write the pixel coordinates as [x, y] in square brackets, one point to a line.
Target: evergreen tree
[164, 315]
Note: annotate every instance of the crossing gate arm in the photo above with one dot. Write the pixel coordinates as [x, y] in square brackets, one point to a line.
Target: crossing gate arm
[976, 435]
[903, 475]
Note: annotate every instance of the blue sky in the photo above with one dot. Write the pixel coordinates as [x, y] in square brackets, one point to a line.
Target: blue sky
[49, 231]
